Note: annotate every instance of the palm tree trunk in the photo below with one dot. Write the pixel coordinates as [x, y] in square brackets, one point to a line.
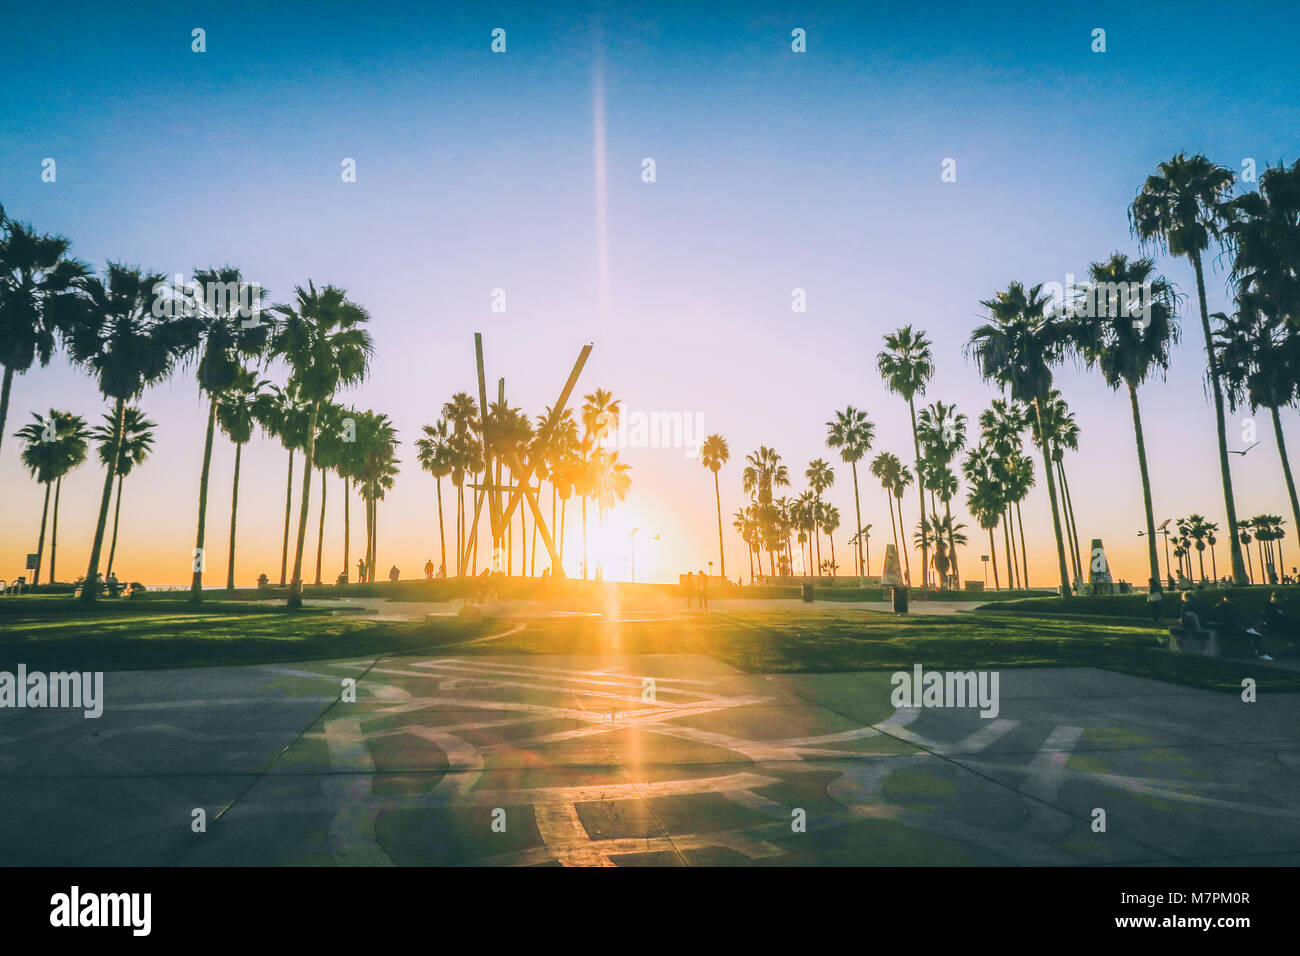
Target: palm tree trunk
[374, 538]
[1006, 538]
[309, 458]
[4, 400]
[288, 503]
[54, 530]
[320, 533]
[920, 496]
[1024, 555]
[200, 559]
[1153, 555]
[4, 403]
[993, 553]
[1051, 494]
[952, 546]
[40, 542]
[717, 497]
[1071, 531]
[889, 500]
[831, 538]
[584, 537]
[857, 512]
[1238, 566]
[347, 526]
[817, 533]
[1286, 468]
[1250, 565]
[564, 519]
[234, 512]
[907, 552]
[460, 526]
[442, 538]
[1200, 557]
[117, 511]
[1214, 564]
[90, 587]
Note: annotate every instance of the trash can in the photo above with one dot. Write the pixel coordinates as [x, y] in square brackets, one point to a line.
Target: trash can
[899, 595]
[807, 592]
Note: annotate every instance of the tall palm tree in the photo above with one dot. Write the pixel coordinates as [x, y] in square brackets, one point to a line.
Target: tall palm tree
[1258, 351]
[887, 468]
[331, 455]
[466, 455]
[1017, 349]
[763, 473]
[434, 452]
[853, 434]
[830, 523]
[54, 445]
[942, 431]
[1198, 529]
[984, 500]
[114, 333]
[223, 340]
[376, 447]
[1181, 209]
[1244, 528]
[900, 488]
[1127, 352]
[322, 340]
[236, 415]
[907, 365]
[1060, 431]
[820, 477]
[599, 417]
[135, 446]
[35, 274]
[715, 453]
[283, 414]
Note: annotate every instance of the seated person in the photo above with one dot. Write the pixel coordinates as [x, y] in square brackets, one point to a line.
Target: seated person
[1194, 605]
[1277, 623]
[1230, 621]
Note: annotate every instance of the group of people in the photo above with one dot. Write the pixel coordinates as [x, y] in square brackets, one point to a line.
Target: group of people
[1229, 620]
[697, 589]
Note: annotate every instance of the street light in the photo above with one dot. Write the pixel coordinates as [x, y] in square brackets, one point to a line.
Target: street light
[866, 546]
[634, 539]
[1162, 528]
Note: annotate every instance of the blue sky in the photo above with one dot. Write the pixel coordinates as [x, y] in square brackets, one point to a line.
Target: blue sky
[775, 170]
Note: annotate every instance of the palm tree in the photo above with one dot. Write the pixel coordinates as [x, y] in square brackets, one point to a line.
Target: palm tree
[820, 477]
[35, 275]
[1127, 352]
[887, 468]
[223, 340]
[322, 341]
[1061, 432]
[907, 365]
[830, 523]
[1198, 529]
[283, 414]
[376, 450]
[1017, 350]
[600, 415]
[434, 452]
[1258, 351]
[853, 434]
[763, 473]
[984, 500]
[714, 453]
[236, 415]
[942, 431]
[1181, 209]
[332, 440]
[899, 489]
[54, 446]
[136, 444]
[1244, 528]
[466, 454]
[113, 332]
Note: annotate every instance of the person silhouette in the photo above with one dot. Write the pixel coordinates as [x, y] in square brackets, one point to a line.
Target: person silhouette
[361, 570]
[704, 588]
[428, 570]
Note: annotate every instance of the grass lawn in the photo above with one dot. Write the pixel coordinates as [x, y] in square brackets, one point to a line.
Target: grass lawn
[50, 633]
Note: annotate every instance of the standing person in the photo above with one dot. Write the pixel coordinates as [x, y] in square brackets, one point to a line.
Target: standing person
[1154, 598]
[704, 588]
[428, 570]
[689, 587]
[394, 574]
[361, 570]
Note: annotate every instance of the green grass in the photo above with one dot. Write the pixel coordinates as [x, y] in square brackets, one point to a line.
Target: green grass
[50, 633]
[1134, 606]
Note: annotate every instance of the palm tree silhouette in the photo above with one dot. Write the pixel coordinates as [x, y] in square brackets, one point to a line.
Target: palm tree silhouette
[886, 468]
[714, 453]
[136, 444]
[1181, 209]
[236, 415]
[36, 277]
[114, 334]
[434, 452]
[1017, 350]
[985, 499]
[763, 473]
[853, 434]
[820, 477]
[283, 414]
[907, 365]
[222, 339]
[321, 338]
[1127, 353]
[942, 431]
[55, 445]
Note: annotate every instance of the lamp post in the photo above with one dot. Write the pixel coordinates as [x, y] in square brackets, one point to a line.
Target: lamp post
[1162, 528]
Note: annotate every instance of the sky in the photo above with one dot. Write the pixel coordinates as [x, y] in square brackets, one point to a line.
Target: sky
[523, 171]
